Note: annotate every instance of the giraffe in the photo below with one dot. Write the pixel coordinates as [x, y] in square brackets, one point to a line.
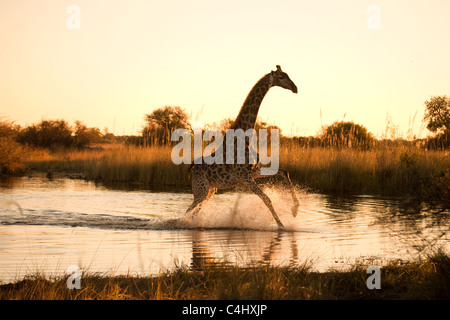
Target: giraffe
[207, 178]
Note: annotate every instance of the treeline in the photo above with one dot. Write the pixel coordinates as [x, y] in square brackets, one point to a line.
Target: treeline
[51, 134]
[341, 134]
[159, 125]
[438, 142]
[59, 134]
[16, 141]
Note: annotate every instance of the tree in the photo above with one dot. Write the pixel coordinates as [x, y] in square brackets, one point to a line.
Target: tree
[47, 134]
[84, 136]
[162, 122]
[437, 114]
[347, 134]
[169, 118]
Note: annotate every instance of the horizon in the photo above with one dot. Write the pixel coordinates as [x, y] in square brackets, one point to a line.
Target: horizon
[389, 135]
[108, 64]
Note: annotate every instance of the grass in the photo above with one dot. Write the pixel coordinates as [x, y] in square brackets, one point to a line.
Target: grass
[388, 170]
[381, 170]
[429, 279]
[114, 164]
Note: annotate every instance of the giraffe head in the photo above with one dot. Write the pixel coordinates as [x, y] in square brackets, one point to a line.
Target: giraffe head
[281, 79]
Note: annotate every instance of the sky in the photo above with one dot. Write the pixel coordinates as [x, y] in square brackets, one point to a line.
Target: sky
[110, 62]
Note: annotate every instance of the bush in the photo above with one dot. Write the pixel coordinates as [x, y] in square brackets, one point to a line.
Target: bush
[11, 153]
[84, 136]
[47, 134]
[57, 134]
[347, 134]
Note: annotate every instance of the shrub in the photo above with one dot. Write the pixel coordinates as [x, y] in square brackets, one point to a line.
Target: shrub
[47, 134]
[11, 153]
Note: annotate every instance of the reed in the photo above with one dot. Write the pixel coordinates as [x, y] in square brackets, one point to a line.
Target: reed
[383, 170]
[151, 166]
[115, 164]
[391, 170]
[427, 279]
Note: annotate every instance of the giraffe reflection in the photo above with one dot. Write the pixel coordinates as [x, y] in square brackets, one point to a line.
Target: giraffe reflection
[261, 248]
[200, 253]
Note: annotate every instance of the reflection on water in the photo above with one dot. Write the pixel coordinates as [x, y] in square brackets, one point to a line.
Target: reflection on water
[47, 225]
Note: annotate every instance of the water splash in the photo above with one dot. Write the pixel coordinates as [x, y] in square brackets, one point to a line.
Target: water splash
[224, 211]
[243, 211]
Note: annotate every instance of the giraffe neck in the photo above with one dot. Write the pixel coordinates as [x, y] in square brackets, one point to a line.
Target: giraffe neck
[246, 118]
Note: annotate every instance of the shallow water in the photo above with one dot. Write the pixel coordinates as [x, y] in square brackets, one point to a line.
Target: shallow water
[48, 225]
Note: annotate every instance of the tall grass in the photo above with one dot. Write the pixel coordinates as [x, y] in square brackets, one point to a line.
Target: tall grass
[115, 163]
[428, 279]
[384, 170]
[388, 170]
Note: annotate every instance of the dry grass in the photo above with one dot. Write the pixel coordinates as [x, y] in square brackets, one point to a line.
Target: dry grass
[115, 163]
[384, 170]
[392, 170]
[427, 280]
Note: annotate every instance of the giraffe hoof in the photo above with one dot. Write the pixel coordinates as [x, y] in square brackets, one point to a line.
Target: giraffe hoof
[281, 227]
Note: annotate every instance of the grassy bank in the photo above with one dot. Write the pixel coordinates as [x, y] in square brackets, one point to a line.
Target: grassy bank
[389, 170]
[114, 163]
[427, 280]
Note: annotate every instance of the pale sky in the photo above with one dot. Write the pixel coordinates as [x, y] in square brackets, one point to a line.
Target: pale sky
[131, 57]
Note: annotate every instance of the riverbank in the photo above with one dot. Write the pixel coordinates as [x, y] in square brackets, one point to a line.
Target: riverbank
[383, 170]
[429, 279]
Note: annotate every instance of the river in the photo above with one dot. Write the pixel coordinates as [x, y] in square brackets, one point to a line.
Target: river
[47, 225]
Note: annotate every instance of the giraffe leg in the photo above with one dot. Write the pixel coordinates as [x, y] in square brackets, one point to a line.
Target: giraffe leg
[199, 199]
[254, 187]
[281, 172]
[201, 191]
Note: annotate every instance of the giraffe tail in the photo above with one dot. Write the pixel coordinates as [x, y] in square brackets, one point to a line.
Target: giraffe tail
[189, 170]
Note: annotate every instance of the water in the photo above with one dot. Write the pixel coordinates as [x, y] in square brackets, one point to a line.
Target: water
[48, 225]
